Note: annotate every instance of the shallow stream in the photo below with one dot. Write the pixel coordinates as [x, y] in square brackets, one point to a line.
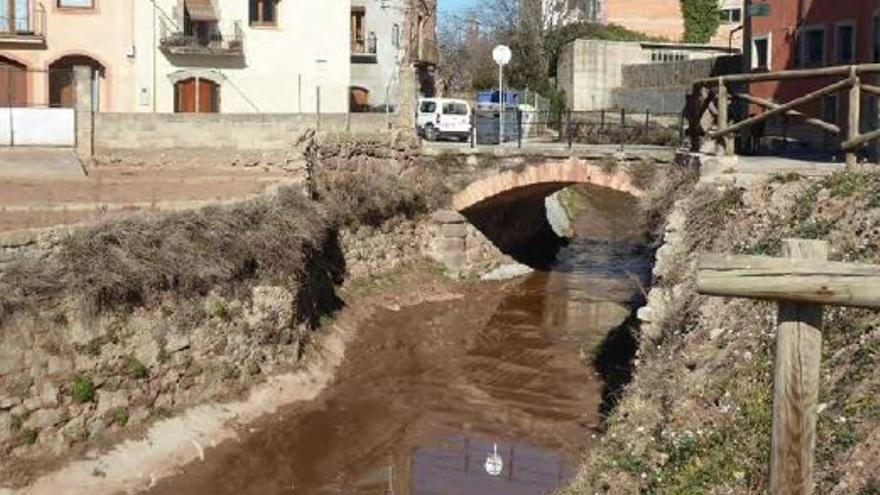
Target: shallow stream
[427, 392]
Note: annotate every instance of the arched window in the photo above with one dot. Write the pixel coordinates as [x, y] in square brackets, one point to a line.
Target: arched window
[61, 89]
[359, 99]
[395, 35]
[196, 95]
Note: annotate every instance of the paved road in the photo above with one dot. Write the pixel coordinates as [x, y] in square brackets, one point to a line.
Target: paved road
[39, 163]
[548, 149]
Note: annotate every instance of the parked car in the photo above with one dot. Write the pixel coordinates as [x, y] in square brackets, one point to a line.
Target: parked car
[443, 117]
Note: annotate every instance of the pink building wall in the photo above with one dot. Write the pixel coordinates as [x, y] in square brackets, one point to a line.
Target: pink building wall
[104, 33]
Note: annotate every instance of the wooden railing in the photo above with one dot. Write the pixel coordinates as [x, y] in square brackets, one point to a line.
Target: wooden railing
[801, 283]
[715, 95]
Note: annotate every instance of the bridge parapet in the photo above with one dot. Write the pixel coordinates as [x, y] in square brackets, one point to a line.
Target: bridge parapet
[543, 179]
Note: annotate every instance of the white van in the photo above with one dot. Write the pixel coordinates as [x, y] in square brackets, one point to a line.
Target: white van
[442, 117]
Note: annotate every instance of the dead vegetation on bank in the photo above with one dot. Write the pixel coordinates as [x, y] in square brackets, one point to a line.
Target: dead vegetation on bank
[149, 258]
[696, 417]
[138, 261]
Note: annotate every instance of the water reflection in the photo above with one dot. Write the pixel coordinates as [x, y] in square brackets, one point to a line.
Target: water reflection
[456, 466]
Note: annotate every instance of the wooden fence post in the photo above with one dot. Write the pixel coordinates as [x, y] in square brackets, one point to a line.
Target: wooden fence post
[801, 283]
[796, 384]
[695, 117]
[725, 143]
[855, 105]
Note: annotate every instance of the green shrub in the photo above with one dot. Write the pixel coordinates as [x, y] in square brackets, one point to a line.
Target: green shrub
[786, 178]
[217, 308]
[325, 321]
[120, 416]
[83, 390]
[700, 20]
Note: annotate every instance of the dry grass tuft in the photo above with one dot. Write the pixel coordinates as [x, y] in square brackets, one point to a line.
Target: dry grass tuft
[285, 239]
[142, 259]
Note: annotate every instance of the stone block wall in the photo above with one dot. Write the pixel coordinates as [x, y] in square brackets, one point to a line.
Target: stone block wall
[461, 248]
[682, 73]
[658, 101]
[113, 131]
[662, 88]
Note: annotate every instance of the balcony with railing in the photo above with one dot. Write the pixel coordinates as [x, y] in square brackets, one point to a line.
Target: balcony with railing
[22, 22]
[363, 48]
[203, 39]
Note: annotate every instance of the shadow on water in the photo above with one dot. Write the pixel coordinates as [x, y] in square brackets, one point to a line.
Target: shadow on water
[610, 242]
[614, 362]
[519, 228]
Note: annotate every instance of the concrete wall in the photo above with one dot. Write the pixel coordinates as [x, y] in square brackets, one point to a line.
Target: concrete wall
[37, 127]
[281, 67]
[380, 19]
[662, 87]
[658, 101]
[682, 73]
[232, 131]
[588, 70]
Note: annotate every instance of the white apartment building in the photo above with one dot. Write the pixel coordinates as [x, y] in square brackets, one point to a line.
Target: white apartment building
[377, 50]
[270, 56]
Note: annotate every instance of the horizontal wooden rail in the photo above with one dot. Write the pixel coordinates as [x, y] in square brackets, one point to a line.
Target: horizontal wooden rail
[821, 282]
[871, 89]
[792, 113]
[781, 109]
[860, 140]
[841, 70]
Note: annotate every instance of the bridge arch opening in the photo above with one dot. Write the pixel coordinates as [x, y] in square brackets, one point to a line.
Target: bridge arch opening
[515, 208]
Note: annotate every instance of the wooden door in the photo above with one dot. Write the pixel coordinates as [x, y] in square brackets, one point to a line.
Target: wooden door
[197, 96]
[207, 96]
[186, 96]
[13, 85]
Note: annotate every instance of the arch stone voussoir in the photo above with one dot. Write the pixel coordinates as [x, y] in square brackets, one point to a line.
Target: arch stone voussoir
[553, 175]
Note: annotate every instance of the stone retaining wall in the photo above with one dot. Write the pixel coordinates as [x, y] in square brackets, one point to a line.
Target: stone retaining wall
[266, 132]
[149, 363]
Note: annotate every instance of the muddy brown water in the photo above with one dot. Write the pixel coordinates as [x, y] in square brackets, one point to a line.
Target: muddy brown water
[427, 392]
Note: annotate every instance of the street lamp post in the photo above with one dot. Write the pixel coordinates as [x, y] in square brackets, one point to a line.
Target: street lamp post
[501, 54]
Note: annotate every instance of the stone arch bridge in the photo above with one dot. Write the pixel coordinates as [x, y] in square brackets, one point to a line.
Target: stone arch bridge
[505, 204]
